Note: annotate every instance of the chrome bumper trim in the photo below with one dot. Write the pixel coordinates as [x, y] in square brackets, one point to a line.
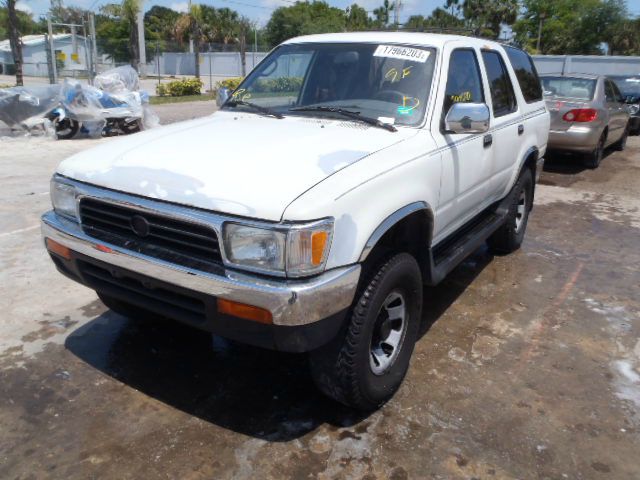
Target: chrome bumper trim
[291, 302]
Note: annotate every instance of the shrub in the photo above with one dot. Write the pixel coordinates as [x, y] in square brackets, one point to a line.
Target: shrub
[161, 90]
[6, 85]
[180, 88]
[229, 83]
[279, 84]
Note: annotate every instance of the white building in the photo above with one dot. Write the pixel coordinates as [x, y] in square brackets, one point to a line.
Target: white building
[70, 52]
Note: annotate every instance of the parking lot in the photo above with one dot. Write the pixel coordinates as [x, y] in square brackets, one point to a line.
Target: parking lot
[529, 367]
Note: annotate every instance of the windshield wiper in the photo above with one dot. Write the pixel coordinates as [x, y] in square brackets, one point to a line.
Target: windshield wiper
[347, 113]
[259, 108]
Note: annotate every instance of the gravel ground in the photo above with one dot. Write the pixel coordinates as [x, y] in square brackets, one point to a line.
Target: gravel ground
[529, 367]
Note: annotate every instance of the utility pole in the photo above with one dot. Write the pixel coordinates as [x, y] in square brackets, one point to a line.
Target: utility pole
[142, 65]
[542, 15]
[396, 14]
[54, 66]
[94, 45]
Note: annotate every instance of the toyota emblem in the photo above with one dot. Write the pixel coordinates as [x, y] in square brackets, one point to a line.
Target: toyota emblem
[140, 226]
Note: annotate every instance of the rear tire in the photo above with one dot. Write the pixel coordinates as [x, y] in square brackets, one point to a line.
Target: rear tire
[622, 143]
[67, 128]
[593, 159]
[510, 235]
[364, 366]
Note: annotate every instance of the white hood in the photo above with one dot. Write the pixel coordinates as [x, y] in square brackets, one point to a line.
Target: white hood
[237, 163]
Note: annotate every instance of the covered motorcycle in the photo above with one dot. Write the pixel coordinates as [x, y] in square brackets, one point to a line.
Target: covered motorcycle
[114, 106]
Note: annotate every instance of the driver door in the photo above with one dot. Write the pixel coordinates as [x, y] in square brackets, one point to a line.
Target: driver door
[466, 158]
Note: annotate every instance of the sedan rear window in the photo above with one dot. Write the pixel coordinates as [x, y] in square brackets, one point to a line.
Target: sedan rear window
[569, 87]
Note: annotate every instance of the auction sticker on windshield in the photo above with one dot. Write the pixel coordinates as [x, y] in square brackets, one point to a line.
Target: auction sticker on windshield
[402, 53]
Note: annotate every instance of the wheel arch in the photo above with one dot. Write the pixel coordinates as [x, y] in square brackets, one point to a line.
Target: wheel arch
[409, 229]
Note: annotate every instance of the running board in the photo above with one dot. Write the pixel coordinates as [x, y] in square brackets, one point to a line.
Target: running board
[446, 256]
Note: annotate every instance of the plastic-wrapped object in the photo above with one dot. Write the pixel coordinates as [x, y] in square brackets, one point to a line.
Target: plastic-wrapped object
[86, 103]
[23, 107]
[118, 80]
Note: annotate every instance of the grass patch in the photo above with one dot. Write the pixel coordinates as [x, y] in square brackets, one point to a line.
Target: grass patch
[185, 98]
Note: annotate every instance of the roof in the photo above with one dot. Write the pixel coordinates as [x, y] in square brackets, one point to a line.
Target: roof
[411, 38]
[34, 40]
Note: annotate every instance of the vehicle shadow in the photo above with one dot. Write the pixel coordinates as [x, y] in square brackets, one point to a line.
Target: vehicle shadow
[256, 392]
[567, 163]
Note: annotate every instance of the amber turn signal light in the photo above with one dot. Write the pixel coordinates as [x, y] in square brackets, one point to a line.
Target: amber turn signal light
[60, 250]
[248, 312]
[318, 242]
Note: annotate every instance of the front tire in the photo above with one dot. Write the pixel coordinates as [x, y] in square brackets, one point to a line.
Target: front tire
[364, 366]
[508, 238]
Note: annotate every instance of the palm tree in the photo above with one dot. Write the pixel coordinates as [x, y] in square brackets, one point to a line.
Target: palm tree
[14, 39]
[129, 11]
[191, 24]
[382, 13]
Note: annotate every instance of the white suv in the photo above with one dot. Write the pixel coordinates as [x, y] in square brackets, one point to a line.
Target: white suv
[345, 172]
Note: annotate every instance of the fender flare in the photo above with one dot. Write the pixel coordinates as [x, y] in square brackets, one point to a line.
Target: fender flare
[389, 222]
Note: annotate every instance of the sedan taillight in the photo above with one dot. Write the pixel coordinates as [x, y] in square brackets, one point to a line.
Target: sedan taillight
[580, 115]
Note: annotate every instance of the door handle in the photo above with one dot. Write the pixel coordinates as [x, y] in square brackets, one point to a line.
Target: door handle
[520, 129]
[488, 140]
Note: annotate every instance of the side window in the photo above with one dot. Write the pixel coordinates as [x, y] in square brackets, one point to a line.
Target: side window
[502, 96]
[616, 92]
[609, 92]
[526, 73]
[464, 83]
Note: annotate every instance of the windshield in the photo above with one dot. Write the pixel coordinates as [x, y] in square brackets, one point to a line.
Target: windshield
[629, 86]
[569, 87]
[386, 82]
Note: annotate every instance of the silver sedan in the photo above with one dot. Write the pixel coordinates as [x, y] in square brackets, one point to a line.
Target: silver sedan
[588, 114]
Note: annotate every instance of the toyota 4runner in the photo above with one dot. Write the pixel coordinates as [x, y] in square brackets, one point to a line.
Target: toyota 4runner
[346, 171]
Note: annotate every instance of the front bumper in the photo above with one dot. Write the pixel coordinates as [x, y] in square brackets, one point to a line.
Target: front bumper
[294, 304]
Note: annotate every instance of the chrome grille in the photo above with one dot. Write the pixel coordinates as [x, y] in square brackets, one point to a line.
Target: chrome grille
[186, 239]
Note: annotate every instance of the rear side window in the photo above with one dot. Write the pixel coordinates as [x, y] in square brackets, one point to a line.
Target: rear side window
[526, 74]
[464, 83]
[616, 91]
[502, 97]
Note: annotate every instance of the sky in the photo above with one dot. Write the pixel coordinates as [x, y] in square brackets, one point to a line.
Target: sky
[259, 10]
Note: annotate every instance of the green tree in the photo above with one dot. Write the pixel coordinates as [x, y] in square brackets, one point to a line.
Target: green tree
[357, 18]
[304, 18]
[161, 21]
[382, 14]
[485, 17]
[573, 26]
[625, 38]
[439, 20]
[26, 24]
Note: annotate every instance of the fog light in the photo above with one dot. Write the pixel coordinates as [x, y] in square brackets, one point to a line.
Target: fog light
[248, 312]
[58, 249]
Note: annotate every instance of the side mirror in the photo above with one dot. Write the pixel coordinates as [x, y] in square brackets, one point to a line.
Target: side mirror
[223, 96]
[467, 118]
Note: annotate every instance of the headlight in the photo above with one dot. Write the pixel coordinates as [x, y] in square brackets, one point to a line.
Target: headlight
[63, 199]
[294, 251]
[633, 109]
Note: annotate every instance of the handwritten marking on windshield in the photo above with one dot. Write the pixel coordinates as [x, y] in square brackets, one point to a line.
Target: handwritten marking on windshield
[393, 74]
